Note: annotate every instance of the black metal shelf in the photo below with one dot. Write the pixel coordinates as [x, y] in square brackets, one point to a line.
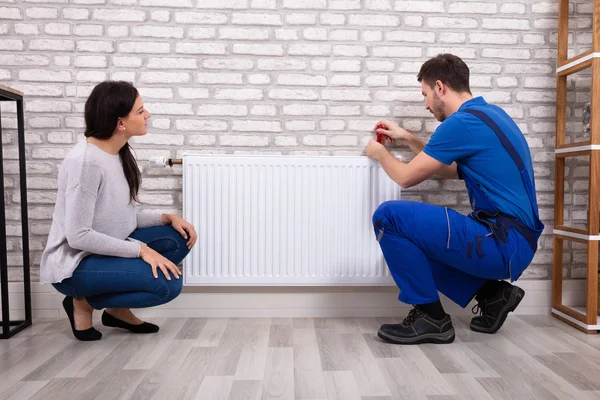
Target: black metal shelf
[9, 327]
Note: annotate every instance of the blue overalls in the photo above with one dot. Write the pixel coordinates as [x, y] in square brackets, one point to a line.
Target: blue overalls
[430, 248]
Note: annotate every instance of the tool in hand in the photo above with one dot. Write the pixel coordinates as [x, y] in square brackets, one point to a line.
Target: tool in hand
[382, 136]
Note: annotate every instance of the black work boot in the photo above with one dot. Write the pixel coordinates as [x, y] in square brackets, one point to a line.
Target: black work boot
[494, 307]
[417, 328]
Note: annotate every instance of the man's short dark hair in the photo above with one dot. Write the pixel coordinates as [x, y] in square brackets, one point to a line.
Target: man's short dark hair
[449, 69]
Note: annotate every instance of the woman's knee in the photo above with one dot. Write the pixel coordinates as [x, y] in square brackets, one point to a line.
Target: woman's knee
[170, 289]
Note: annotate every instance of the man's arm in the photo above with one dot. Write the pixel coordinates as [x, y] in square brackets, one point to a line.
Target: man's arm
[403, 136]
[417, 146]
[416, 171]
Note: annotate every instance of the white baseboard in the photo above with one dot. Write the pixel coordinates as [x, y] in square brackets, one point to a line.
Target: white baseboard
[261, 302]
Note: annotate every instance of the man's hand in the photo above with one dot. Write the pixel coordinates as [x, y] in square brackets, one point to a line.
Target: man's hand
[393, 130]
[375, 150]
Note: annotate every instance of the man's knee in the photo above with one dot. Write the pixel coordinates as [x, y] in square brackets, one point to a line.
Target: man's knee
[388, 212]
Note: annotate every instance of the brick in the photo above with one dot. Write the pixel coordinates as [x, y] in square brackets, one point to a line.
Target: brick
[45, 75]
[302, 80]
[243, 34]
[410, 36]
[95, 46]
[494, 38]
[157, 31]
[460, 7]
[91, 61]
[200, 125]
[345, 95]
[344, 35]
[243, 141]
[523, 54]
[332, 125]
[256, 19]
[397, 51]
[420, 6]
[286, 141]
[202, 140]
[26, 29]
[200, 48]
[170, 108]
[305, 4]
[10, 13]
[160, 15]
[264, 110]
[259, 79]
[193, 93]
[131, 62]
[373, 20]
[256, 126]
[119, 15]
[345, 66]
[258, 49]
[165, 77]
[11, 44]
[223, 4]
[89, 30]
[505, 23]
[199, 18]
[239, 94]
[145, 47]
[315, 34]
[304, 109]
[40, 13]
[52, 44]
[332, 19]
[281, 65]
[76, 13]
[222, 110]
[172, 63]
[201, 33]
[345, 80]
[44, 122]
[168, 3]
[57, 29]
[293, 94]
[216, 78]
[228, 64]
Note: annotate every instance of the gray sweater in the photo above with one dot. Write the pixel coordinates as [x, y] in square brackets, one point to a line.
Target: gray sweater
[93, 213]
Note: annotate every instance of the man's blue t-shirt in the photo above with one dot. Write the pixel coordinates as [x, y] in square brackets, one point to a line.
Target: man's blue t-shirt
[474, 146]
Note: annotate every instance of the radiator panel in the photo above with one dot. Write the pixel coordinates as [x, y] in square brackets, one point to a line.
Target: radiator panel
[283, 220]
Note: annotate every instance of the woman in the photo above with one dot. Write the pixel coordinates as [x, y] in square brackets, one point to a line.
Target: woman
[101, 253]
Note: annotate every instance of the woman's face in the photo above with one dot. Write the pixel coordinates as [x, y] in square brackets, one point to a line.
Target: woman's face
[135, 124]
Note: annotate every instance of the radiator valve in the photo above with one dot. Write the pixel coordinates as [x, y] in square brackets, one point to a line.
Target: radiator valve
[161, 161]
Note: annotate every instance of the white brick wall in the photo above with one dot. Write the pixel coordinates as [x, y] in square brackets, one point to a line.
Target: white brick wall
[273, 76]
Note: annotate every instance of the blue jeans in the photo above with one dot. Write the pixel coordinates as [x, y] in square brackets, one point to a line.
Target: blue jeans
[115, 282]
[430, 248]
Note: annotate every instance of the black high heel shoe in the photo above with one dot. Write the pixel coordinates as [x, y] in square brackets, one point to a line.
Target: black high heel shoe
[114, 322]
[87, 335]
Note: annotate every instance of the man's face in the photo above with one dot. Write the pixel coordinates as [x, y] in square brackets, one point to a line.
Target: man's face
[433, 103]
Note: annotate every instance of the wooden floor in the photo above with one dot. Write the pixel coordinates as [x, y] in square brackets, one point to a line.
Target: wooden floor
[531, 357]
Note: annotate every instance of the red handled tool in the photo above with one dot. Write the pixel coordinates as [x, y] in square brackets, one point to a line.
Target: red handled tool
[382, 136]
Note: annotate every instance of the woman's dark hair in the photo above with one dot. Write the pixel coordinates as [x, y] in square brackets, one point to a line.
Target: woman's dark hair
[449, 69]
[109, 101]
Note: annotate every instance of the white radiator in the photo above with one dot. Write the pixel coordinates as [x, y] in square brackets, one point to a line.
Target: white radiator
[284, 220]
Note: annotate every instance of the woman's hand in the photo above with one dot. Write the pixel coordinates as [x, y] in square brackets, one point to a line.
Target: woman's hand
[156, 261]
[185, 229]
[393, 130]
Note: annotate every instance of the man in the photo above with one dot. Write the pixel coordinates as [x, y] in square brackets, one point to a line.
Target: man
[432, 248]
